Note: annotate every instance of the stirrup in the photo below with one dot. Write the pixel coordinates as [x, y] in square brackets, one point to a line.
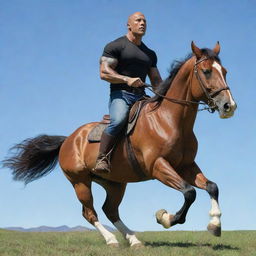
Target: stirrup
[103, 160]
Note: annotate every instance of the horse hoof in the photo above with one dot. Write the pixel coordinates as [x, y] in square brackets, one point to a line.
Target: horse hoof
[214, 230]
[137, 246]
[113, 245]
[164, 218]
[159, 215]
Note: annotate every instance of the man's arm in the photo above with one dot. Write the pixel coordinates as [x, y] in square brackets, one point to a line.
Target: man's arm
[108, 73]
[154, 76]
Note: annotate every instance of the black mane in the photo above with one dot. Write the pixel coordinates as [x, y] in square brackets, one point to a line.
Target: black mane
[175, 67]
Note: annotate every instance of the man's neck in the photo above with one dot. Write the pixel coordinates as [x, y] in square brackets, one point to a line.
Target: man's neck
[134, 38]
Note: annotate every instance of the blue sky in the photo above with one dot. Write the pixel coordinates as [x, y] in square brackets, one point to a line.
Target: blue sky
[49, 84]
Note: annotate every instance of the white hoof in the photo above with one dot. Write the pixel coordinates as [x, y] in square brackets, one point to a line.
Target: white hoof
[164, 218]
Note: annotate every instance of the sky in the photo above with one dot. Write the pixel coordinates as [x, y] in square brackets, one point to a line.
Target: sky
[50, 84]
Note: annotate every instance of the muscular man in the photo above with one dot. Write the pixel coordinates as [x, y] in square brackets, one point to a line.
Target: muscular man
[125, 63]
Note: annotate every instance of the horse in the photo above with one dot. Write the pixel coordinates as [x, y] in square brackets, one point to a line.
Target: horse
[163, 143]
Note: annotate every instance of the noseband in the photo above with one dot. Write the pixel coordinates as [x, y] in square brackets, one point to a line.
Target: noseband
[210, 96]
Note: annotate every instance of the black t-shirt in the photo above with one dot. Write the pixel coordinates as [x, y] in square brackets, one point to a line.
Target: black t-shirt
[133, 60]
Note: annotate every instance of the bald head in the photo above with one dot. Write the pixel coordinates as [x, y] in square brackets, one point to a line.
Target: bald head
[132, 16]
[137, 24]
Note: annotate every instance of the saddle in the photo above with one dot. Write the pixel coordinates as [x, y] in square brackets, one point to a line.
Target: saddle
[96, 132]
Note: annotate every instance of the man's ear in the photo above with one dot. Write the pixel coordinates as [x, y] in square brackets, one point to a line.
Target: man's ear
[128, 26]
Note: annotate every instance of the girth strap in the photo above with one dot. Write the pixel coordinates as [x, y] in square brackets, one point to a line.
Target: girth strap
[133, 160]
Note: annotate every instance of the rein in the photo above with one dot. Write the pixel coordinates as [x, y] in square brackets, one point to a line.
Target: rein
[211, 105]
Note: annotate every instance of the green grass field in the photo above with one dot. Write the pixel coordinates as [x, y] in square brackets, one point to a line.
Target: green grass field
[90, 243]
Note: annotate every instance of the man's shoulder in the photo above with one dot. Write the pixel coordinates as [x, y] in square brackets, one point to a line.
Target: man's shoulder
[114, 48]
[147, 48]
[119, 40]
[151, 54]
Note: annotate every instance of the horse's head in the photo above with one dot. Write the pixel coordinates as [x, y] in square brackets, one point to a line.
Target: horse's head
[210, 84]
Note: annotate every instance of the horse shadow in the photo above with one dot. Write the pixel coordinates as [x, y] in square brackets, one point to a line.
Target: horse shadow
[215, 247]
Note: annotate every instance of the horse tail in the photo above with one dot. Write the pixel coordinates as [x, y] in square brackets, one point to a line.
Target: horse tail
[34, 157]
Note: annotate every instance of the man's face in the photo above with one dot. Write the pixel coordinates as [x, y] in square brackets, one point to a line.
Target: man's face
[137, 24]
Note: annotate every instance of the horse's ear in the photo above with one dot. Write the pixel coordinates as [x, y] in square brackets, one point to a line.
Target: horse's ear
[196, 50]
[217, 48]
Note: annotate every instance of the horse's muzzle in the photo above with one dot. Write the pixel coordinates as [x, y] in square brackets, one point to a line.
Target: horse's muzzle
[227, 109]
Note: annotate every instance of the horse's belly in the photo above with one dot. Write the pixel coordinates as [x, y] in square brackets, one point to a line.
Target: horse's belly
[122, 170]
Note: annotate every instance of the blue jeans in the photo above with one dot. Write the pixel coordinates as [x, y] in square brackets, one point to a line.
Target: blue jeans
[120, 104]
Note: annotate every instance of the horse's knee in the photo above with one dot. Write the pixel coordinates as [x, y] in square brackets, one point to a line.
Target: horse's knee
[189, 194]
[212, 189]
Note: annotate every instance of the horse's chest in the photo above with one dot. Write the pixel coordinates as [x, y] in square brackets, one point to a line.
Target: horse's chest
[183, 151]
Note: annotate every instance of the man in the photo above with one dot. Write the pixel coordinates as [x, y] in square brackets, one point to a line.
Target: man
[125, 63]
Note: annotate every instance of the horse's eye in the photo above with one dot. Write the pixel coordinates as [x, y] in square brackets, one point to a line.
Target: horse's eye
[207, 72]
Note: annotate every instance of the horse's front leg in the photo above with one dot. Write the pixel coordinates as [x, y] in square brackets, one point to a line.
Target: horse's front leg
[193, 175]
[164, 172]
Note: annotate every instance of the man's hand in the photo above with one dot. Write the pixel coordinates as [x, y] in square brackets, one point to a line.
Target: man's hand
[134, 81]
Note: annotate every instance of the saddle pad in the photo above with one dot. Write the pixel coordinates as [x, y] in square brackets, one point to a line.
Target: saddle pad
[96, 132]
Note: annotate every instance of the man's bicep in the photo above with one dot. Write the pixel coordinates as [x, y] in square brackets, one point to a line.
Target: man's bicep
[107, 62]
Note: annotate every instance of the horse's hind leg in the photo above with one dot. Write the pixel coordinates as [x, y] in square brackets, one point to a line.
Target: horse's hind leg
[115, 192]
[84, 194]
[193, 175]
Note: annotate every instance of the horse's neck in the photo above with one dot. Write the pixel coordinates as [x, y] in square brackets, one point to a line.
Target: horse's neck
[181, 115]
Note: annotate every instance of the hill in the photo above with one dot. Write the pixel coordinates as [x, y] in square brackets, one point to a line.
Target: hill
[63, 228]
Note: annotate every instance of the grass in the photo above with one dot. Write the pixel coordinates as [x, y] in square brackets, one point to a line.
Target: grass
[90, 243]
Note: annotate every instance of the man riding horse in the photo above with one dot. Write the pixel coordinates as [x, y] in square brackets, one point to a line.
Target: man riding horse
[125, 63]
[163, 139]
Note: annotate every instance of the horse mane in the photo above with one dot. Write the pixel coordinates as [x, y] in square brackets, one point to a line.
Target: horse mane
[163, 87]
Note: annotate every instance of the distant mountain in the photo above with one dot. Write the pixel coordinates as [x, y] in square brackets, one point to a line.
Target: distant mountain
[63, 228]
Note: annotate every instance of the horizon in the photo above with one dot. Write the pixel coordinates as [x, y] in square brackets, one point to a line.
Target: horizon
[50, 84]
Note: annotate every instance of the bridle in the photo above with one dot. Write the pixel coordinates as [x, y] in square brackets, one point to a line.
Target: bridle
[211, 104]
[210, 96]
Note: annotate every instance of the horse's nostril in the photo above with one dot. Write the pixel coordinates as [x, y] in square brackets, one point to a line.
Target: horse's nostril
[226, 107]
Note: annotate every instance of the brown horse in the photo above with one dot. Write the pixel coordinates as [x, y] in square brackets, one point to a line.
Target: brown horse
[163, 142]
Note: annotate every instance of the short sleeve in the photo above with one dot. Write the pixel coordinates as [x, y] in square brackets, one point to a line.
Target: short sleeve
[154, 59]
[112, 50]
